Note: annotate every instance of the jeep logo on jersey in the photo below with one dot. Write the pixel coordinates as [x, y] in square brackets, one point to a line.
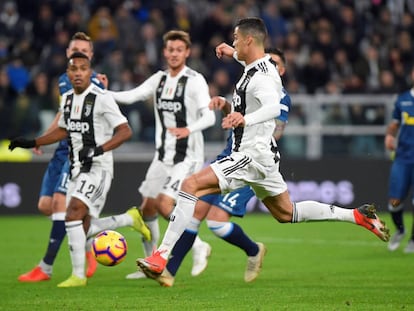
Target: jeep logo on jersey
[78, 126]
[169, 106]
[236, 99]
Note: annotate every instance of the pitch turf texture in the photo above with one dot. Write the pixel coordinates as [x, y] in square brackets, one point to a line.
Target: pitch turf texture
[310, 266]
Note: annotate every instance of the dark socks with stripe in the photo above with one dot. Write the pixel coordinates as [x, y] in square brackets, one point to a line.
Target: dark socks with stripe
[238, 238]
[180, 250]
[397, 218]
[57, 235]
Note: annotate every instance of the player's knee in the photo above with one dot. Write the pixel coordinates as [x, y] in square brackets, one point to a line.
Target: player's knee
[220, 228]
[45, 206]
[76, 211]
[165, 206]
[395, 205]
[190, 185]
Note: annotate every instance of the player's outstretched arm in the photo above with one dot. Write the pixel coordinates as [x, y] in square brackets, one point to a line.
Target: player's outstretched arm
[49, 138]
[220, 103]
[223, 49]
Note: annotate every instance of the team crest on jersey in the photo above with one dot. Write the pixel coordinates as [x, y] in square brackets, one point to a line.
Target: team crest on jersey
[245, 82]
[180, 88]
[88, 108]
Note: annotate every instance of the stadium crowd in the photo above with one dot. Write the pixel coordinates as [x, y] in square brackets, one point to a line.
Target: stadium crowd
[331, 46]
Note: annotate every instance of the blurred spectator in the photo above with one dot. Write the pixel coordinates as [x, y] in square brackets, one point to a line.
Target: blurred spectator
[12, 25]
[112, 66]
[7, 102]
[275, 23]
[195, 60]
[74, 22]
[83, 8]
[138, 10]
[25, 120]
[223, 83]
[53, 57]
[103, 31]
[316, 73]
[324, 40]
[129, 30]
[141, 68]
[368, 67]
[4, 50]
[24, 51]
[217, 23]
[384, 27]
[182, 19]
[332, 46]
[43, 27]
[406, 47]
[387, 83]
[151, 43]
[41, 101]
[18, 75]
[341, 67]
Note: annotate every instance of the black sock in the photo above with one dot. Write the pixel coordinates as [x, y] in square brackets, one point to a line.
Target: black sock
[238, 238]
[57, 234]
[181, 248]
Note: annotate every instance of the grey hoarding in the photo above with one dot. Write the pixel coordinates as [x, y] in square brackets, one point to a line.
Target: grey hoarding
[347, 182]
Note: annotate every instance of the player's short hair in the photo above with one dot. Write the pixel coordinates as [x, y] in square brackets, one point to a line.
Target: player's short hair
[253, 26]
[277, 52]
[78, 55]
[177, 35]
[83, 37]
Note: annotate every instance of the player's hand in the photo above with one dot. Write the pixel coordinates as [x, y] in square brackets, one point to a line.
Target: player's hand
[389, 142]
[37, 151]
[234, 119]
[22, 143]
[86, 155]
[179, 132]
[224, 49]
[217, 103]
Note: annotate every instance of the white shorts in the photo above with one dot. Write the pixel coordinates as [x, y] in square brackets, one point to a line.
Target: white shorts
[239, 169]
[166, 179]
[92, 189]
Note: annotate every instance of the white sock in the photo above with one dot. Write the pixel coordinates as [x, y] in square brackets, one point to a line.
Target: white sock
[179, 220]
[313, 211]
[58, 216]
[88, 244]
[48, 269]
[194, 226]
[154, 227]
[77, 241]
[109, 223]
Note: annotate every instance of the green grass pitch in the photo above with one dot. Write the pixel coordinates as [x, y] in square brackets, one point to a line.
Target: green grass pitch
[310, 266]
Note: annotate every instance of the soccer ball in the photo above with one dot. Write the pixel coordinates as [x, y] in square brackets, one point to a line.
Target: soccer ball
[109, 248]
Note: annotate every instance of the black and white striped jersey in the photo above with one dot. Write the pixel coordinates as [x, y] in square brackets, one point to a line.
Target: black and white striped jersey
[179, 101]
[90, 119]
[257, 97]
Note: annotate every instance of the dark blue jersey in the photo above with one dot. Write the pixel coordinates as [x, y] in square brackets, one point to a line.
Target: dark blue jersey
[404, 114]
